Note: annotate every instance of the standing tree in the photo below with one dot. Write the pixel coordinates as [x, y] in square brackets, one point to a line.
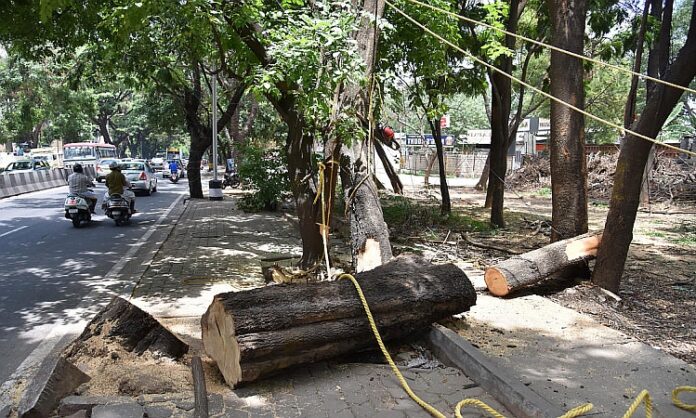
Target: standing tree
[625, 198]
[568, 163]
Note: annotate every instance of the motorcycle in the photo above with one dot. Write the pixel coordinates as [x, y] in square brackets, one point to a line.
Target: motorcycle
[174, 177]
[118, 208]
[77, 209]
[230, 179]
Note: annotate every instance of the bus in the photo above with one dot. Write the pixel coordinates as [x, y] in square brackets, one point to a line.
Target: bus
[87, 153]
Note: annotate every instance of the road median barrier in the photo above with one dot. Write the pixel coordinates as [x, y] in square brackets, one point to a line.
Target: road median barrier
[12, 184]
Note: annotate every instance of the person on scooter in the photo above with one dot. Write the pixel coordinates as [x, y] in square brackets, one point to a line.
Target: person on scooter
[174, 169]
[79, 184]
[117, 183]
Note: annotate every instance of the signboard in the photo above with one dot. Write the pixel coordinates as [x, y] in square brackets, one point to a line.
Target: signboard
[445, 121]
[428, 140]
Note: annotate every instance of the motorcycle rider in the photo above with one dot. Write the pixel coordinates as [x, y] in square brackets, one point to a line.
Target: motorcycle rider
[79, 184]
[173, 168]
[117, 183]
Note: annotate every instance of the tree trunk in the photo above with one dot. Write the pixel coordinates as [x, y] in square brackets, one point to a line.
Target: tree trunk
[501, 100]
[630, 110]
[446, 207]
[483, 180]
[394, 179]
[525, 269]
[568, 162]
[658, 60]
[369, 234]
[618, 232]
[258, 332]
[430, 162]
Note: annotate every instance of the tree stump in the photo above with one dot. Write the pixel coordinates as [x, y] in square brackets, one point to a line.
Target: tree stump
[133, 329]
[528, 268]
[258, 332]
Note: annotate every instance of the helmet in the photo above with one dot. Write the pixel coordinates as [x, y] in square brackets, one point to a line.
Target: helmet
[113, 165]
[77, 168]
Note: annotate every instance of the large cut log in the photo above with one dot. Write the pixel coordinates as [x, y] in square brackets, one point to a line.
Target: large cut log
[131, 328]
[528, 268]
[257, 332]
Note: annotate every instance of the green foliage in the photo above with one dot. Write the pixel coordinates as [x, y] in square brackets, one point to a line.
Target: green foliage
[312, 54]
[402, 213]
[265, 171]
[544, 192]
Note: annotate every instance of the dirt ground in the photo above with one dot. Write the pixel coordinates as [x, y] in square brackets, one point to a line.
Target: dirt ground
[657, 300]
[656, 303]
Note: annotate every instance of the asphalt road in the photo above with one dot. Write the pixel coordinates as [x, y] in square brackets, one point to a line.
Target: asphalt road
[52, 274]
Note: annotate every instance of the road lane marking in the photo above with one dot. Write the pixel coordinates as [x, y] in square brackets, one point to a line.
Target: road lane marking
[14, 230]
[33, 361]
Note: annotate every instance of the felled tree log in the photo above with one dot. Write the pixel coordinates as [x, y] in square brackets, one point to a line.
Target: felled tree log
[255, 333]
[133, 329]
[528, 268]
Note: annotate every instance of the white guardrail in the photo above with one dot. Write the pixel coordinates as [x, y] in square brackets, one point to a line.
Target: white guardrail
[12, 184]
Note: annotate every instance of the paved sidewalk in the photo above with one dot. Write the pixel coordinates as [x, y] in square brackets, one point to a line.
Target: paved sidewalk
[563, 356]
[217, 248]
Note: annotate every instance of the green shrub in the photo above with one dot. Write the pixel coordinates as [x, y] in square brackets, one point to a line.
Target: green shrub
[264, 170]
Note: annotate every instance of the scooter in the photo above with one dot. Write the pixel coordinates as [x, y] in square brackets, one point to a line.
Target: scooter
[230, 179]
[118, 209]
[174, 177]
[77, 209]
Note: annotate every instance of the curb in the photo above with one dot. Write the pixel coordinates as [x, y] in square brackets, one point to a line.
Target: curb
[130, 268]
[452, 349]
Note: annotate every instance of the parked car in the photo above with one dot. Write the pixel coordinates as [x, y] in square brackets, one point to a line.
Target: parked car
[26, 165]
[141, 175]
[182, 169]
[102, 168]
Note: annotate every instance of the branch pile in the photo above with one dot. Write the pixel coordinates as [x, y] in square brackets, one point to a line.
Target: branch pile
[671, 179]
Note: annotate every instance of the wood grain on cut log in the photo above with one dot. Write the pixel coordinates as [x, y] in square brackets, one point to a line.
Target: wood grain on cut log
[258, 332]
[528, 268]
[133, 329]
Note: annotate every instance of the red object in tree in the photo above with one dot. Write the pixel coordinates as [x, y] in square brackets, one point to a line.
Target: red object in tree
[388, 132]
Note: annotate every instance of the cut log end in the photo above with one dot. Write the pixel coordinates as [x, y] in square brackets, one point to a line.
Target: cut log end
[220, 342]
[496, 282]
[583, 248]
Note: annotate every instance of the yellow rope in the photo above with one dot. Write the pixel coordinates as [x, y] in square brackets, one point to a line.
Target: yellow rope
[529, 86]
[578, 411]
[555, 48]
[678, 403]
[643, 396]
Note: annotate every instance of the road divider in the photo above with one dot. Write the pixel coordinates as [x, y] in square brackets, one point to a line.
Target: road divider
[12, 184]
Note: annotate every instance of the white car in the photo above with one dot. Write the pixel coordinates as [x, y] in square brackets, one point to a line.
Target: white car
[140, 175]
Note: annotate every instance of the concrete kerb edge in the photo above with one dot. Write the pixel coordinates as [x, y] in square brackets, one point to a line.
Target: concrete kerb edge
[452, 349]
[28, 369]
[136, 267]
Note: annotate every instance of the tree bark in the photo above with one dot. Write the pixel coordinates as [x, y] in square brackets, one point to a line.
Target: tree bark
[525, 269]
[568, 162]
[446, 207]
[258, 332]
[618, 232]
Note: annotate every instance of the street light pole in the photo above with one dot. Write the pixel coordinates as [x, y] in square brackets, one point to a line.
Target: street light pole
[215, 185]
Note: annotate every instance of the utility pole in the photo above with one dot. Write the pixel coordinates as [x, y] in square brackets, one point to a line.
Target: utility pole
[215, 185]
